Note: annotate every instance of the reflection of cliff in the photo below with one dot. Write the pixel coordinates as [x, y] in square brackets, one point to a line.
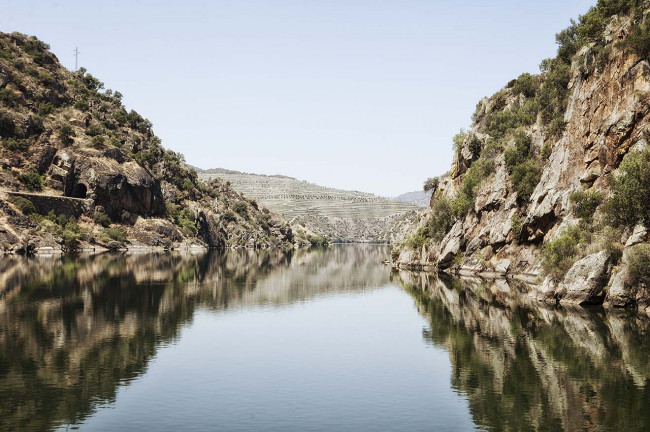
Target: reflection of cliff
[523, 367]
[71, 331]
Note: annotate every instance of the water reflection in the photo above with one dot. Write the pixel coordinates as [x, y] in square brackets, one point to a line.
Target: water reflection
[73, 330]
[526, 367]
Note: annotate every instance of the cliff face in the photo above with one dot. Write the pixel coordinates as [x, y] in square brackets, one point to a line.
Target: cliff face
[62, 135]
[530, 190]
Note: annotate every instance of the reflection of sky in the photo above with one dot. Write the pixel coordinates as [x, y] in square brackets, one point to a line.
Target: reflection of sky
[297, 87]
[344, 362]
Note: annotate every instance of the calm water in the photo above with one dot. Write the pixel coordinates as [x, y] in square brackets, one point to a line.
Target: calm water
[325, 340]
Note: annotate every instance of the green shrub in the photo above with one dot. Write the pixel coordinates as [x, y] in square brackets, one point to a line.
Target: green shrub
[25, 206]
[8, 97]
[317, 240]
[458, 140]
[629, 201]
[523, 166]
[102, 219]
[66, 134]
[517, 224]
[241, 209]
[71, 234]
[187, 221]
[31, 180]
[638, 41]
[13, 144]
[526, 84]
[431, 184]
[525, 178]
[638, 264]
[98, 140]
[117, 234]
[438, 224]
[559, 254]
[8, 127]
[229, 216]
[585, 203]
[94, 129]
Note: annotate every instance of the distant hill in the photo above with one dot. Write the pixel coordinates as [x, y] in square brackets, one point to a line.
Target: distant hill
[417, 198]
[339, 214]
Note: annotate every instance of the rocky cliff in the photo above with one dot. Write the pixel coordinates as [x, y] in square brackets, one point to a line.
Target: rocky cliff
[79, 170]
[552, 178]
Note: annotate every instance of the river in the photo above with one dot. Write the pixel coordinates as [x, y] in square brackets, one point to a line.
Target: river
[320, 340]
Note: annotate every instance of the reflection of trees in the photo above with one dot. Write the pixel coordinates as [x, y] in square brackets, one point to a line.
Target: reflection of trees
[73, 330]
[524, 367]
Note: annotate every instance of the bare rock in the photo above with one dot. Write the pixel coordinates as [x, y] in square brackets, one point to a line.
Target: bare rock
[584, 282]
[451, 245]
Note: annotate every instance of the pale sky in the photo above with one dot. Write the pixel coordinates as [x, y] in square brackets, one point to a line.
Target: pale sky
[353, 94]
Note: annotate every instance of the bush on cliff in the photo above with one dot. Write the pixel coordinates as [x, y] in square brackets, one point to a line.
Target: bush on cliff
[25, 206]
[638, 264]
[558, 255]
[431, 184]
[439, 222]
[32, 180]
[629, 201]
[524, 168]
[585, 203]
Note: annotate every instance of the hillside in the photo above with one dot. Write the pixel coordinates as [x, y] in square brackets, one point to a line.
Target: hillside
[417, 198]
[338, 214]
[551, 181]
[79, 170]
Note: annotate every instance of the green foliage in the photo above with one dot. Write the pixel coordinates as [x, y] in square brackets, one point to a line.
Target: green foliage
[458, 140]
[629, 201]
[431, 184]
[439, 222]
[102, 219]
[8, 127]
[8, 97]
[585, 203]
[66, 134]
[638, 264]
[117, 234]
[523, 167]
[472, 179]
[25, 206]
[184, 218]
[500, 123]
[525, 177]
[517, 223]
[17, 145]
[229, 216]
[547, 149]
[241, 209]
[526, 84]
[94, 130]
[31, 180]
[554, 93]
[98, 141]
[71, 235]
[559, 254]
[638, 41]
[317, 240]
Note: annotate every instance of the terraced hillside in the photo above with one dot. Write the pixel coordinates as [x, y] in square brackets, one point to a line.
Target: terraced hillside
[338, 214]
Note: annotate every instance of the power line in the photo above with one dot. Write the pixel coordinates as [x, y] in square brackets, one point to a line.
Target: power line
[76, 58]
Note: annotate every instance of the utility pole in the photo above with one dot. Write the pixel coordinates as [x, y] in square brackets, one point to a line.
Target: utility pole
[76, 58]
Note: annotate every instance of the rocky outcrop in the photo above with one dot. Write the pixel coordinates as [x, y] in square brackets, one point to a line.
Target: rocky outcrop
[602, 113]
[110, 179]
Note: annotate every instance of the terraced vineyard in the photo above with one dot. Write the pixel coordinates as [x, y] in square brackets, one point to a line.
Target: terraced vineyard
[338, 214]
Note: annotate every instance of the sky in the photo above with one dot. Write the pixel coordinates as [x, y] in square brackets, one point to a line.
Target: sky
[353, 94]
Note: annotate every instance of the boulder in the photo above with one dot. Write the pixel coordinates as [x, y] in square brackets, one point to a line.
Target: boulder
[451, 245]
[584, 282]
